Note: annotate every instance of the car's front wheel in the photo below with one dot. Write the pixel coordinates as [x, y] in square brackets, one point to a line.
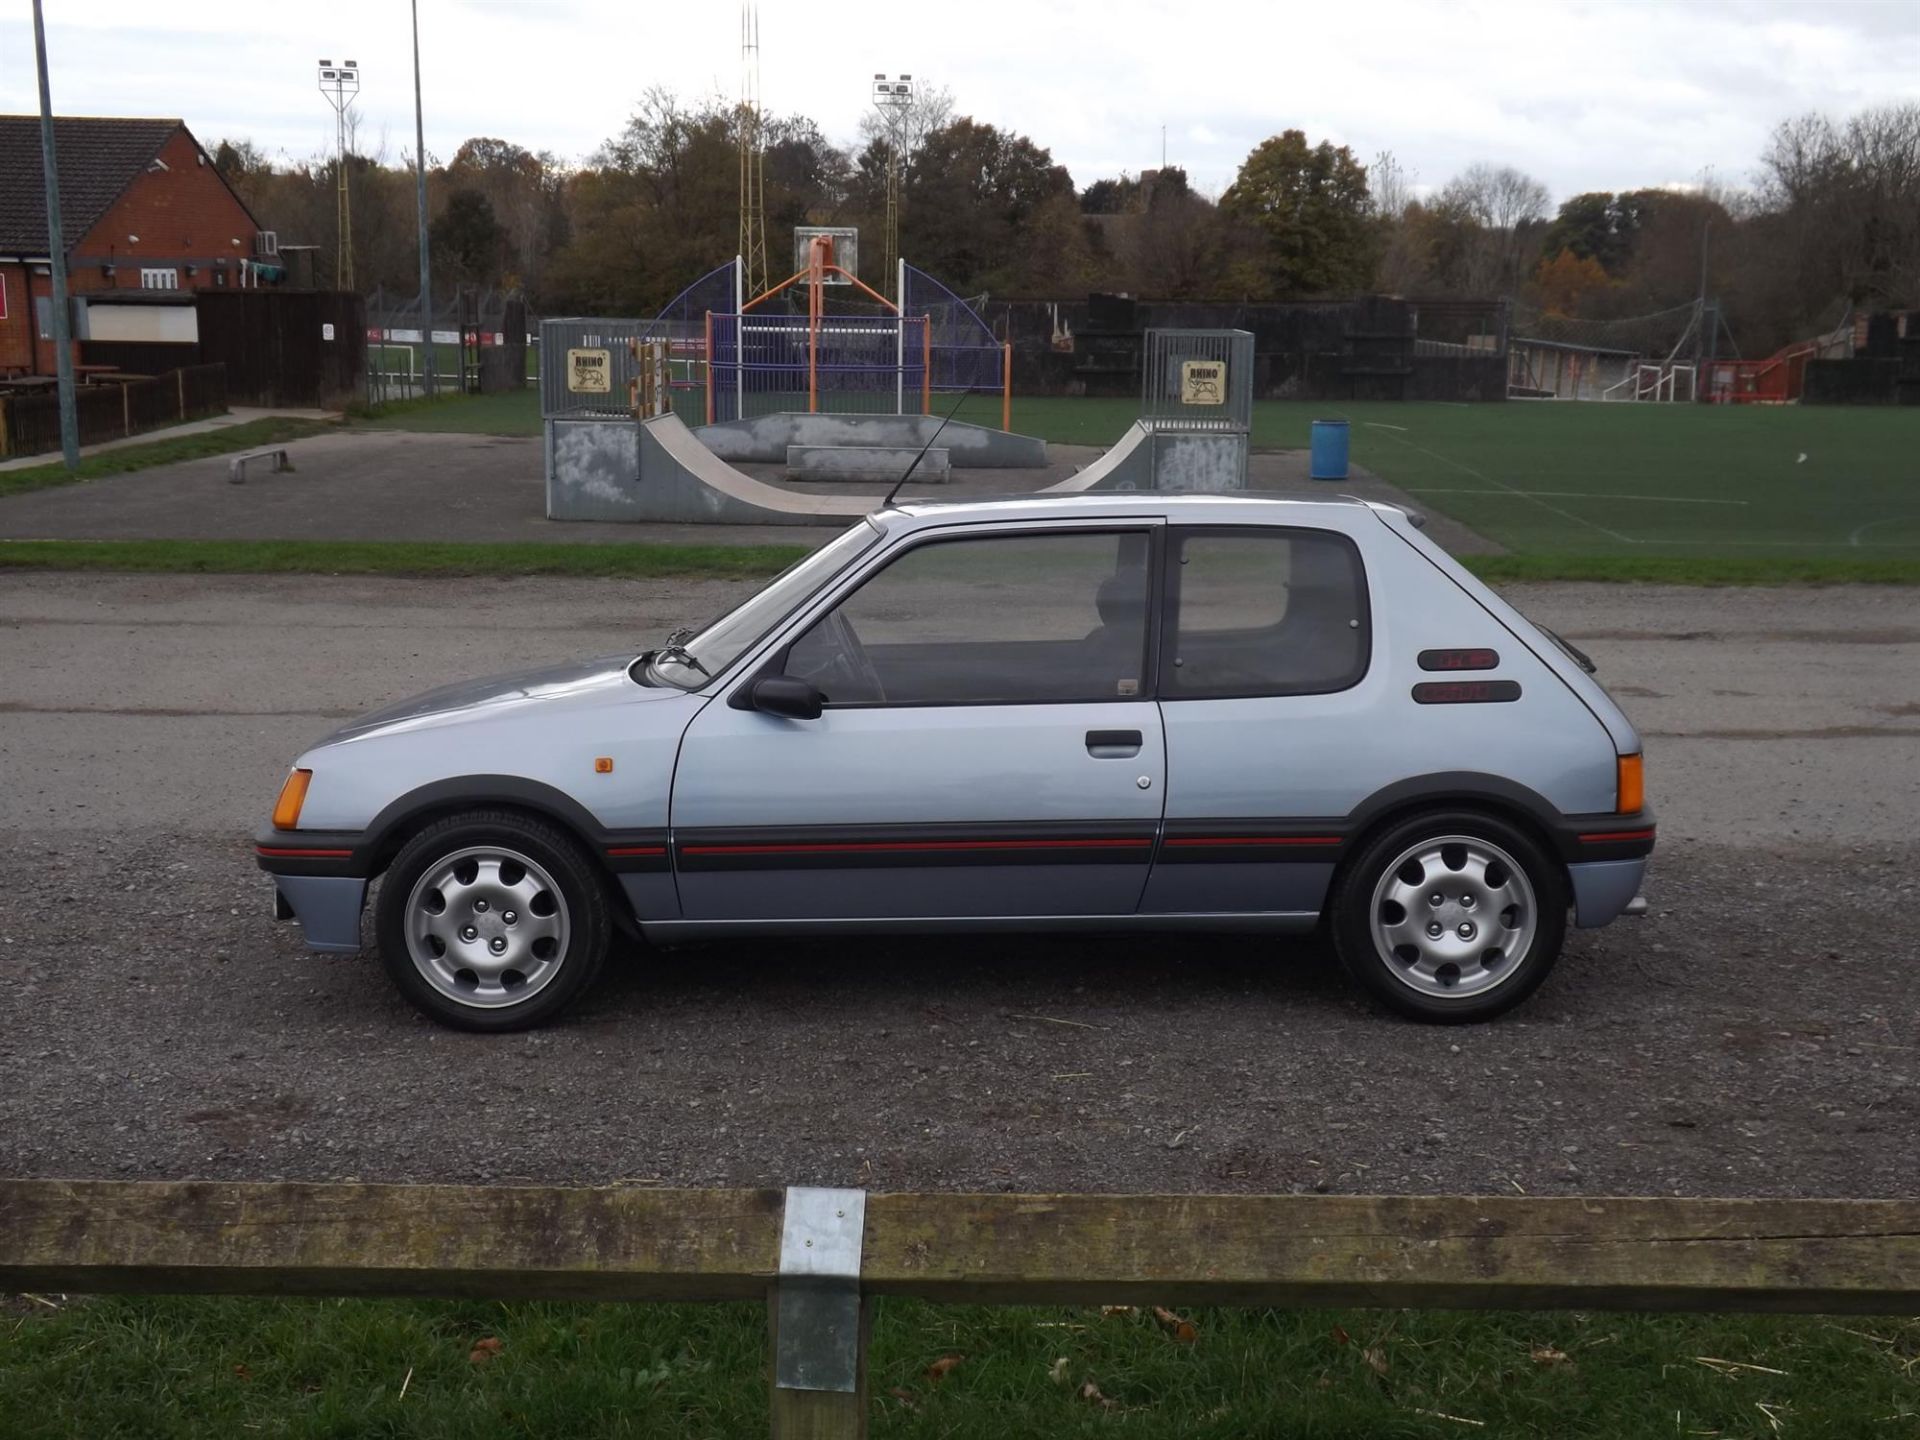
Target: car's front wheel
[1451, 916]
[492, 920]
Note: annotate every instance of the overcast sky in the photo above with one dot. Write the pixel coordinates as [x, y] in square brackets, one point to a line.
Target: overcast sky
[1585, 96]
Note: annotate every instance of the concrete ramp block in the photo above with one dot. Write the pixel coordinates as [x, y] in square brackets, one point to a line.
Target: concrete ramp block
[872, 464]
[764, 438]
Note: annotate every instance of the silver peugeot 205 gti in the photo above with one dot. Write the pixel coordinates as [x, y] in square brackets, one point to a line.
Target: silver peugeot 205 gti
[1102, 712]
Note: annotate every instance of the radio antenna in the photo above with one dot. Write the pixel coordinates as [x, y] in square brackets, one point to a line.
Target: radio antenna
[915, 462]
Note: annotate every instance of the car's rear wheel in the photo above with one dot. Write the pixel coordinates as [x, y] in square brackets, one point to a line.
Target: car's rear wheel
[492, 920]
[1451, 916]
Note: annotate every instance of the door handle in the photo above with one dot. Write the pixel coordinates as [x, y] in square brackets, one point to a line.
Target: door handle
[1113, 744]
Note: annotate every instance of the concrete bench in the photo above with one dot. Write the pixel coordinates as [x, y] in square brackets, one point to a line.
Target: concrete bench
[876, 464]
[237, 465]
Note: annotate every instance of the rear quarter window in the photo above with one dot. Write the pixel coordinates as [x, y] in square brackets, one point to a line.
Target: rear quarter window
[1263, 611]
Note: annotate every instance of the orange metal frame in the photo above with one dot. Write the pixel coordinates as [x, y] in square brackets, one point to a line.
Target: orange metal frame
[819, 266]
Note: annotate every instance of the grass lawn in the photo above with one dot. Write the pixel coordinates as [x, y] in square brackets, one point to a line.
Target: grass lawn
[1687, 494]
[127, 458]
[1769, 485]
[180, 1367]
[397, 557]
[515, 413]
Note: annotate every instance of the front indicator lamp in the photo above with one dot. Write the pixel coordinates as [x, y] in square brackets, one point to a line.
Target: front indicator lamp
[293, 794]
[1632, 791]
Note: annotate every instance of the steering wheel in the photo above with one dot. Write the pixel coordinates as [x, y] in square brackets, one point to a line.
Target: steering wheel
[844, 668]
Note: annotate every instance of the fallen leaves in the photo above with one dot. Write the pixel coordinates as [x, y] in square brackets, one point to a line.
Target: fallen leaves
[943, 1367]
[1057, 1372]
[1090, 1393]
[483, 1351]
[1546, 1357]
[1181, 1329]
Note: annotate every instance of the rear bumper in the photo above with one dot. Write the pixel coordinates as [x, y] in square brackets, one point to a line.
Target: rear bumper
[327, 907]
[1603, 890]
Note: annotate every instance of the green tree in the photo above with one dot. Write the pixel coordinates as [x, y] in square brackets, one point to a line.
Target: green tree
[1590, 226]
[1308, 205]
[467, 239]
[971, 195]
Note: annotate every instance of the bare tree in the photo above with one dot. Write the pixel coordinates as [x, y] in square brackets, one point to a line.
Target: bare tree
[1502, 203]
[1389, 186]
[930, 109]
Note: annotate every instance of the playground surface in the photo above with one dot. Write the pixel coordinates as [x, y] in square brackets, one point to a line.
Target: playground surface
[1621, 479]
[365, 484]
[1629, 481]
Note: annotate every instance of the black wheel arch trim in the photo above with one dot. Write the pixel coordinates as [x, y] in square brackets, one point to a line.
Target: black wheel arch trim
[618, 850]
[1623, 837]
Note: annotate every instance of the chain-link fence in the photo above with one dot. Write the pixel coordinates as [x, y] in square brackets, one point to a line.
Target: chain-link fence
[464, 328]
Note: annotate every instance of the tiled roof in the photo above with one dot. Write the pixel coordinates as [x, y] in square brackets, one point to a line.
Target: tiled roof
[98, 159]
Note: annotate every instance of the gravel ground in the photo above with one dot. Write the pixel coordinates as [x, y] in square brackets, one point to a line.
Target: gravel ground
[1755, 1035]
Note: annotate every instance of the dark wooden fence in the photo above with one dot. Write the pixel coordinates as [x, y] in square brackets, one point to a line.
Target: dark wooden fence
[30, 424]
[303, 348]
[1434, 1252]
[1362, 348]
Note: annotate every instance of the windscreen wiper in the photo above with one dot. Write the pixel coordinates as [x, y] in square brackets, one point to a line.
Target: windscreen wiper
[680, 655]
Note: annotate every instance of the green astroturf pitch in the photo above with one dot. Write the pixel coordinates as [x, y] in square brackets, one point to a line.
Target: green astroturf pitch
[1648, 480]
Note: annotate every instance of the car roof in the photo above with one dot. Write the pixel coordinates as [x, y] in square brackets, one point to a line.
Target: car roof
[1243, 507]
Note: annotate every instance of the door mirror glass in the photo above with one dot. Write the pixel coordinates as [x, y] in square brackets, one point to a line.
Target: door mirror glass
[783, 695]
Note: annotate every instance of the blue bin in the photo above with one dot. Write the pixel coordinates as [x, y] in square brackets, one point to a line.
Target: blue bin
[1329, 453]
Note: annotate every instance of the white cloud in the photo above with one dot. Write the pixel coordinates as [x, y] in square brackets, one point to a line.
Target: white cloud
[1583, 95]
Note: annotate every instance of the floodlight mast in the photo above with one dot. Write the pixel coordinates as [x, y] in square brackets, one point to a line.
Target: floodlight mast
[893, 98]
[340, 84]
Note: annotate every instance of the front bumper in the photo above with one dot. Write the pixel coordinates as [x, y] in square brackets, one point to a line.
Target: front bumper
[1604, 890]
[327, 907]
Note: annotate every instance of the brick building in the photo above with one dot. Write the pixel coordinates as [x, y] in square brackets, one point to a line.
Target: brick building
[147, 220]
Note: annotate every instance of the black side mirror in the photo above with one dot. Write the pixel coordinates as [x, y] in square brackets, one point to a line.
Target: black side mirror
[784, 695]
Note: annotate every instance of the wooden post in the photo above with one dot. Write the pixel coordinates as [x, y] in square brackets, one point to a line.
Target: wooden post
[126, 407]
[180, 389]
[6, 428]
[818, 1414]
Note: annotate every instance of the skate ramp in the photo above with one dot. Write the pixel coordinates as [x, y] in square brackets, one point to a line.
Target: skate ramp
[658, 470]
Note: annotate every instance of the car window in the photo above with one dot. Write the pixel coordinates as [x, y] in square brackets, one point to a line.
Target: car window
[1045, 617]
[719, 642]
[1263, 611]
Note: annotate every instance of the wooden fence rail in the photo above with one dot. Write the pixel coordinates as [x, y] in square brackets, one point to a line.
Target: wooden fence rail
[112, 409]
[1832, 1256]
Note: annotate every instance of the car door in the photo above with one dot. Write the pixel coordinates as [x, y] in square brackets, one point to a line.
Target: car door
[987, 746]
[1266, 644]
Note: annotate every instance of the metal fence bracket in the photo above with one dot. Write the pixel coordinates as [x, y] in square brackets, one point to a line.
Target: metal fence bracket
[817, 1345]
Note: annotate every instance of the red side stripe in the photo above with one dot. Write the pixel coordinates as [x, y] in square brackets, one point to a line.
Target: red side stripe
[290, 853]
[884, 846]
[638, 850]
[1254, 840]
[1617, 835]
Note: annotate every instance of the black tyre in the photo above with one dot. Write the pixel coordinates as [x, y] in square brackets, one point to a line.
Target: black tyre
[492, 920]
[1450, 916]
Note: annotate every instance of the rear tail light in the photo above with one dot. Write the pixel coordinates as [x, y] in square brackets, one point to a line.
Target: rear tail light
[293, 794]
[1632, 790]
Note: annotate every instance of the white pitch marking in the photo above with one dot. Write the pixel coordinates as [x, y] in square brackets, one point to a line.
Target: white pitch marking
[1488, 479]
[1854, 538]
[1376, 425]
[1576, 495]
